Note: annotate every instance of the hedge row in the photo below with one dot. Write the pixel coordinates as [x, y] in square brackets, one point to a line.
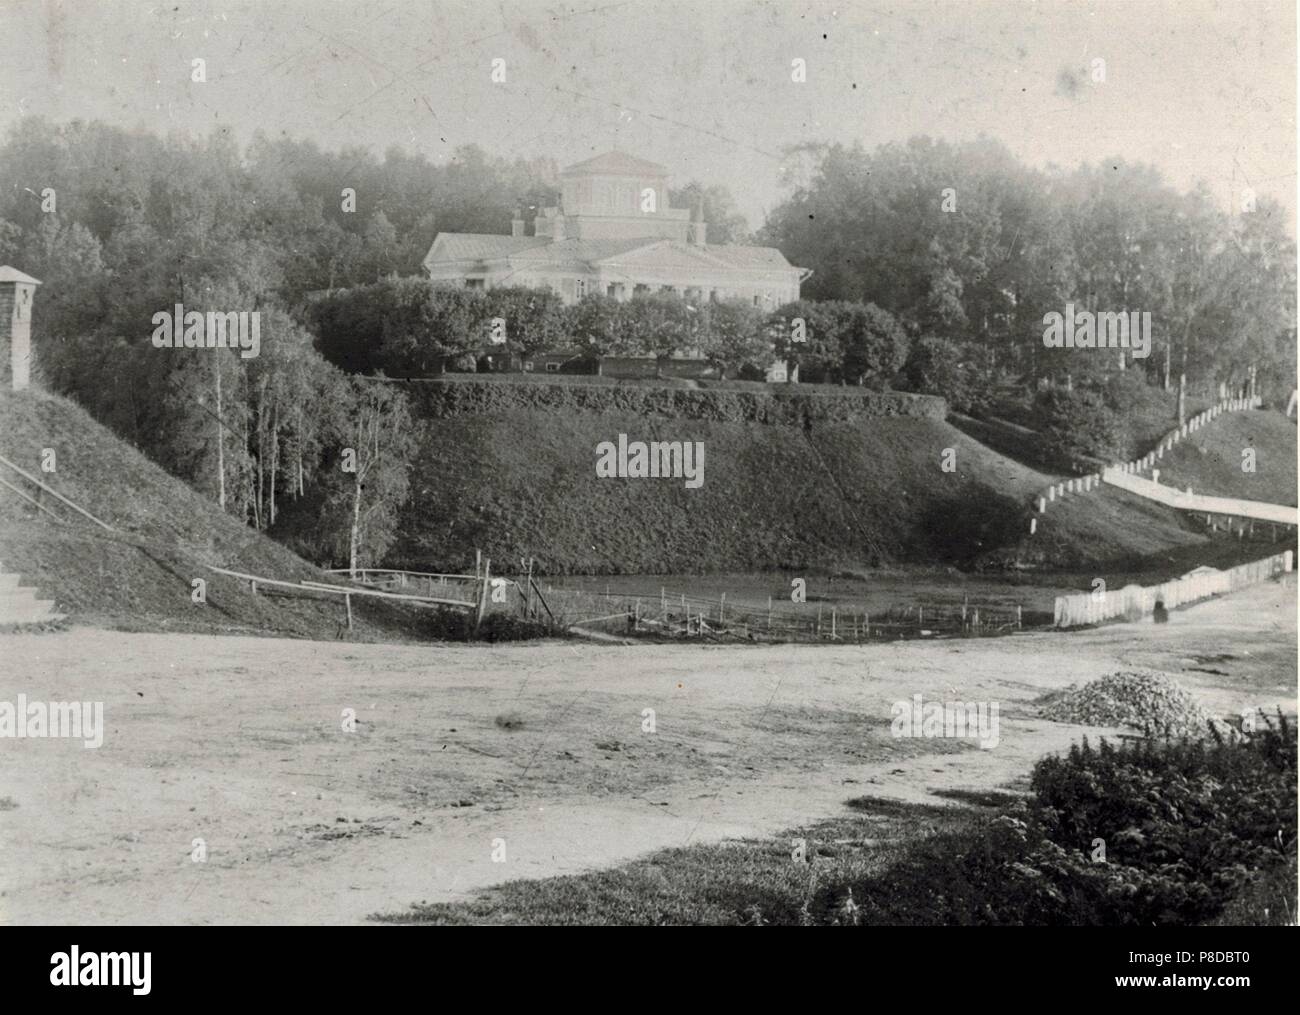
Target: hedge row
[464, 395]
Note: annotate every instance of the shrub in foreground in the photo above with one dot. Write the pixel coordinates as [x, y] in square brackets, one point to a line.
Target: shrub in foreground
[1147, 833]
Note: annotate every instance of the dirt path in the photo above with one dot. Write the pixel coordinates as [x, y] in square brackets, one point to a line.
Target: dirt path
[238, 741]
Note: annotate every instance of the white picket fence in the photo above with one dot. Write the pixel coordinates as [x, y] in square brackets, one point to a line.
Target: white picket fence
[1136, 601]
[1093, 481]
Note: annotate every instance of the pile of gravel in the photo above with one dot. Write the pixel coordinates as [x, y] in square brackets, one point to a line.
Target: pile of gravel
[1150, 702]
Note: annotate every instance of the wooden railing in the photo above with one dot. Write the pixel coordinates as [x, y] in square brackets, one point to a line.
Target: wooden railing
[48, 489]
[477, 604]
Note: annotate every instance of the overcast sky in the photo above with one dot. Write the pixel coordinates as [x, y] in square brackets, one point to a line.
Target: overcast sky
[1202, 90]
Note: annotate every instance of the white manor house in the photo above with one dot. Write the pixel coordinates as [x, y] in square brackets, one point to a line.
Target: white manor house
[614, 233]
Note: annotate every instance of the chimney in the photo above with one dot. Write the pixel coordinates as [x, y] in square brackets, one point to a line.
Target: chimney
[16, 293]
[517, 223]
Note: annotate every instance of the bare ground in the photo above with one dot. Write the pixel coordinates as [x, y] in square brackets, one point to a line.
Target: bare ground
[238, 741]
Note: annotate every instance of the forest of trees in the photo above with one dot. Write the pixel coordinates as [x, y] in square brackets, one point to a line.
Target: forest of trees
[962, 243]
[933, 267]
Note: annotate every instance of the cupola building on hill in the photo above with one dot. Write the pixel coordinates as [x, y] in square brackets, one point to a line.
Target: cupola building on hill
[614, 233]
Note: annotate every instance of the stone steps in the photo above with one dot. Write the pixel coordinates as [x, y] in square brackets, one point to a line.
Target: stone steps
[19, 605]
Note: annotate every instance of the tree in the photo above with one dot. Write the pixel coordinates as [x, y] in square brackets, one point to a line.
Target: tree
[376, 461]
[662, 324]
[963, 373]
[724, 223]
[407, 327]
[596, 325]
[378, 254]
[736, 336]
[534, 318]
[68, 260]
[874, 344]
[806, 335]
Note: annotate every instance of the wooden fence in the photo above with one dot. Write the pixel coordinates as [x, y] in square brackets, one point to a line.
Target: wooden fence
[475, 604]
[678, 615]
[1133, 602]
[1120, 473]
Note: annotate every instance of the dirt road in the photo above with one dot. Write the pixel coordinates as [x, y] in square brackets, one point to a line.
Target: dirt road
[458, 751]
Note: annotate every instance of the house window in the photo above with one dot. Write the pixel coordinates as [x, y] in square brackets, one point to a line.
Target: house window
[552, 368]
[639, 288]
[756, 299]
[474, 283]
[580, 287]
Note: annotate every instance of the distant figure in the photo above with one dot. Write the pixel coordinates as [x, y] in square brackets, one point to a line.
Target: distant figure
[1159, 614]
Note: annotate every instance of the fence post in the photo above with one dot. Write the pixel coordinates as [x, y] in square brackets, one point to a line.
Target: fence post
[482, 594]
[832, 621]
[348, 600]
[722, 605]
[866, 618]
[1019, 618]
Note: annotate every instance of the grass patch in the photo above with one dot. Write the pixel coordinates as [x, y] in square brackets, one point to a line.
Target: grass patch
[752, 881]
[836, 496]
[1210, 460]
[139, 577]
[1189, 832]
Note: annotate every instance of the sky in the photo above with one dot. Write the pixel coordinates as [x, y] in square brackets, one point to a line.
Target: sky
[1204, 91]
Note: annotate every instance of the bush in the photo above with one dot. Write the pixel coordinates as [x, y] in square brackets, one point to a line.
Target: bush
[962, 372]
[1077, 425]
[1186, 827]
[456, 396]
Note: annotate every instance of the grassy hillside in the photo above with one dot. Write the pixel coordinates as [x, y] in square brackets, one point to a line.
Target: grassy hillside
[829, 495]
[139, 577]
[1210, 460]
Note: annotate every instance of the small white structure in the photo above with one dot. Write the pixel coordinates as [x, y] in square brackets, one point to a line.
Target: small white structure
[17, 291]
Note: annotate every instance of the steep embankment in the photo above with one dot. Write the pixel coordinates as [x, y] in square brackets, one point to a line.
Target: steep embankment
[140, 576]
[1210, 460]
[790, 481]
